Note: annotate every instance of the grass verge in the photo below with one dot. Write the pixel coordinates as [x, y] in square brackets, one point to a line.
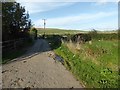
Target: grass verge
[91, 74]
[96, 64]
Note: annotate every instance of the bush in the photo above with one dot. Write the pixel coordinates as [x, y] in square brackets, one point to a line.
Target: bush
[33, 33]
[54, 40]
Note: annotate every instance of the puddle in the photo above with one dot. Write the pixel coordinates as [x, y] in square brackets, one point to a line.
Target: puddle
[60, 59]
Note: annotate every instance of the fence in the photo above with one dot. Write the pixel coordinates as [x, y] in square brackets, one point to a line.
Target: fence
[12, 44]
[0, 48]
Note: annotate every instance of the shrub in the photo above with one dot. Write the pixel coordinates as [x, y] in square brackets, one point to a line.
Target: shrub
[33, 33]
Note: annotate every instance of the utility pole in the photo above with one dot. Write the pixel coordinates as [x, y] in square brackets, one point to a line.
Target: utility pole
[44, 21]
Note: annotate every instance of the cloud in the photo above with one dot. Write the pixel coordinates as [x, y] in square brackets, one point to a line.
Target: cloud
[37, 7]
[103, 2]
[67, 0]
[74, 20]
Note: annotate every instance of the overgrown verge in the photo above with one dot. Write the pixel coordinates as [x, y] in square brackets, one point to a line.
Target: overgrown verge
[95, 63]
[90, 73]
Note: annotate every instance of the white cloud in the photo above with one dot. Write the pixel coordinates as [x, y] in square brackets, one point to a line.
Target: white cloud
[37, 7]
[67, 0]
[73, 20]
[103, 2]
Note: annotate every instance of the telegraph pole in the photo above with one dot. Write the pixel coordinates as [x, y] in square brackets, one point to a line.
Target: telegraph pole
[44, 21]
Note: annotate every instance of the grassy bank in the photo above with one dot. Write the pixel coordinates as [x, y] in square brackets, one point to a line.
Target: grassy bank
[93, 63]
[96, 64]
[9, 55]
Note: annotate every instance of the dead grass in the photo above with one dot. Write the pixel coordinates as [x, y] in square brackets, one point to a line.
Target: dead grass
[77, 48]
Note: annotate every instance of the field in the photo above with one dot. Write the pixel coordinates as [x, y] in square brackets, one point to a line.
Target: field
[50, 31]
[94, 63]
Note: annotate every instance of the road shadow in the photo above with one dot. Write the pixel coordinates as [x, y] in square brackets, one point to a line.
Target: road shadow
[41, 45]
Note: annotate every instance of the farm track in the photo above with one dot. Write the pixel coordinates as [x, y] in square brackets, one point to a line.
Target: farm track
[37, 70]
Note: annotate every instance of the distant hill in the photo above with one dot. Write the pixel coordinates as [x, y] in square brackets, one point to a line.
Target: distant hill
[64, 31]
[58, 31]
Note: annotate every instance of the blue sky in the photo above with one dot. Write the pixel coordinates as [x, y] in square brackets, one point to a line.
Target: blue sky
[74, 15]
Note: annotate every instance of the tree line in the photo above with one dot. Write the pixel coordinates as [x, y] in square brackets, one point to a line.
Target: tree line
[15, 21]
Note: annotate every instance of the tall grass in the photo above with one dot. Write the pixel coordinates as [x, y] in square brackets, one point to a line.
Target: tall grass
[94, 64]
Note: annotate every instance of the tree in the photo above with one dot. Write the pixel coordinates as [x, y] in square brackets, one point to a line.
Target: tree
[15, 21]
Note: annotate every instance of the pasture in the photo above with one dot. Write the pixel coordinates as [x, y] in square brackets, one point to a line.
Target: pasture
[50, 31]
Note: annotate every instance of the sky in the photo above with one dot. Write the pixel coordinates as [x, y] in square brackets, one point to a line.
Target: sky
[74, 15]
